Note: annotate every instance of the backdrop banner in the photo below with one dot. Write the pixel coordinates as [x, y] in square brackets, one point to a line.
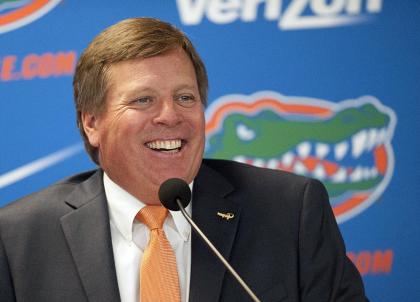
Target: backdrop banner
[323, 88]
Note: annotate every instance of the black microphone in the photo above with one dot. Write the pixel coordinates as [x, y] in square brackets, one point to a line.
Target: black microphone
[175, 195]
[172, 190]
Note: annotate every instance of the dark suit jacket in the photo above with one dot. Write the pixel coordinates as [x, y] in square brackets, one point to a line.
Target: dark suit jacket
[283, 240]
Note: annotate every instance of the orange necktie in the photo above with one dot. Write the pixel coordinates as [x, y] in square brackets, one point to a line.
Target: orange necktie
[158, 272]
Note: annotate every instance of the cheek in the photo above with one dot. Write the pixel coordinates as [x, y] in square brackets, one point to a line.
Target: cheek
[126, 126]
[198, 121]
[202, 128]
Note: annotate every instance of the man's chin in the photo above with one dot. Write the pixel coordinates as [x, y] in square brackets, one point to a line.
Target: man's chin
[173, 174]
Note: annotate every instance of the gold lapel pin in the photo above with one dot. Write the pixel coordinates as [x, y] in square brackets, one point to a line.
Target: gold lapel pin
[226, 216]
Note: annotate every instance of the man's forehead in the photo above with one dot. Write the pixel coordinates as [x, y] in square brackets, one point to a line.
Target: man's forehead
[159, 54]
[175, 72]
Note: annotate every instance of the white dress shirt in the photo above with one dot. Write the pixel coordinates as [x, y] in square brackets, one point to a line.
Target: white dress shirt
[130, 238]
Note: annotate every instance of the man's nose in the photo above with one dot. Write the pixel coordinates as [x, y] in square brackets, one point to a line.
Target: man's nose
[168, 114]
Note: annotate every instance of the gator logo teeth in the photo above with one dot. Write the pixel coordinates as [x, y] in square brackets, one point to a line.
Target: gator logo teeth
[346, 145]
[18, 13]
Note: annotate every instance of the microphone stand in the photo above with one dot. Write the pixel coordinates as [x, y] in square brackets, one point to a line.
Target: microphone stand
[216, 252]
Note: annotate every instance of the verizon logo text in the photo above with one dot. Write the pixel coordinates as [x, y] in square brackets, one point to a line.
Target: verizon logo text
[290, 15]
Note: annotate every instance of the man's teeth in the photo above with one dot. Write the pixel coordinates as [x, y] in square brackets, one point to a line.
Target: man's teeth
[164, 144]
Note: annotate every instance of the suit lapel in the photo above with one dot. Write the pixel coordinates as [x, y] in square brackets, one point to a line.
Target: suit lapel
[87, 232]
[210, 203]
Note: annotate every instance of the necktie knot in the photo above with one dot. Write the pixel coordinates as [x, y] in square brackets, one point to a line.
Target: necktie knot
[152, 216]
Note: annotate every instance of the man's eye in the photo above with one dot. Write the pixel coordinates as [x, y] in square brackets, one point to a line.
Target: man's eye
[186, 100]
[143, 100]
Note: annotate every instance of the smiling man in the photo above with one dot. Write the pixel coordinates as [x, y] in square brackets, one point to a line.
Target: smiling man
[152, 127]
[140, 90]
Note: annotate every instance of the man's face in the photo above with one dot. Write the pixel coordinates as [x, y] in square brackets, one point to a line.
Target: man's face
[152, 127]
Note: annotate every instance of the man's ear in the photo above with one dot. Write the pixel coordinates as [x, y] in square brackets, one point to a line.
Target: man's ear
[90, 126]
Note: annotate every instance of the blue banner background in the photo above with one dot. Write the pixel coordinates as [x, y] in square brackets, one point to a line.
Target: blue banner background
[378, 56]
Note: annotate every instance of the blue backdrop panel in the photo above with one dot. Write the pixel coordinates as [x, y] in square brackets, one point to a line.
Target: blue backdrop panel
[324, 88]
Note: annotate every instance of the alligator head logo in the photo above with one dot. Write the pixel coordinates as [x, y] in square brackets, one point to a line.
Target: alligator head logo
[346, 145]
[17, 13]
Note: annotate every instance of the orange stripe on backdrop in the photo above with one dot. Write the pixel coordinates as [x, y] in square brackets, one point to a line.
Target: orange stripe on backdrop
[22, 12]
[350, 204]
[268, 103]
[381, 159]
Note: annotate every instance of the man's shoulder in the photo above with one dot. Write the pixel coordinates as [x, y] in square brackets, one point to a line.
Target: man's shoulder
[47, 197]
[261, 191]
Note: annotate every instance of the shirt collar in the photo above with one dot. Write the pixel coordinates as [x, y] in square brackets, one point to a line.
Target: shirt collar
[123, 208]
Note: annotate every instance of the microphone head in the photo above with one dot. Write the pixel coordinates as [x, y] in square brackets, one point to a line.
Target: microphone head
[171, 190]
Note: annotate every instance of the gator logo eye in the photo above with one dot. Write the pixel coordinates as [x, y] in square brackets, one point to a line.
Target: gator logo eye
[245, 133]
[346, 145]
[18, 13]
